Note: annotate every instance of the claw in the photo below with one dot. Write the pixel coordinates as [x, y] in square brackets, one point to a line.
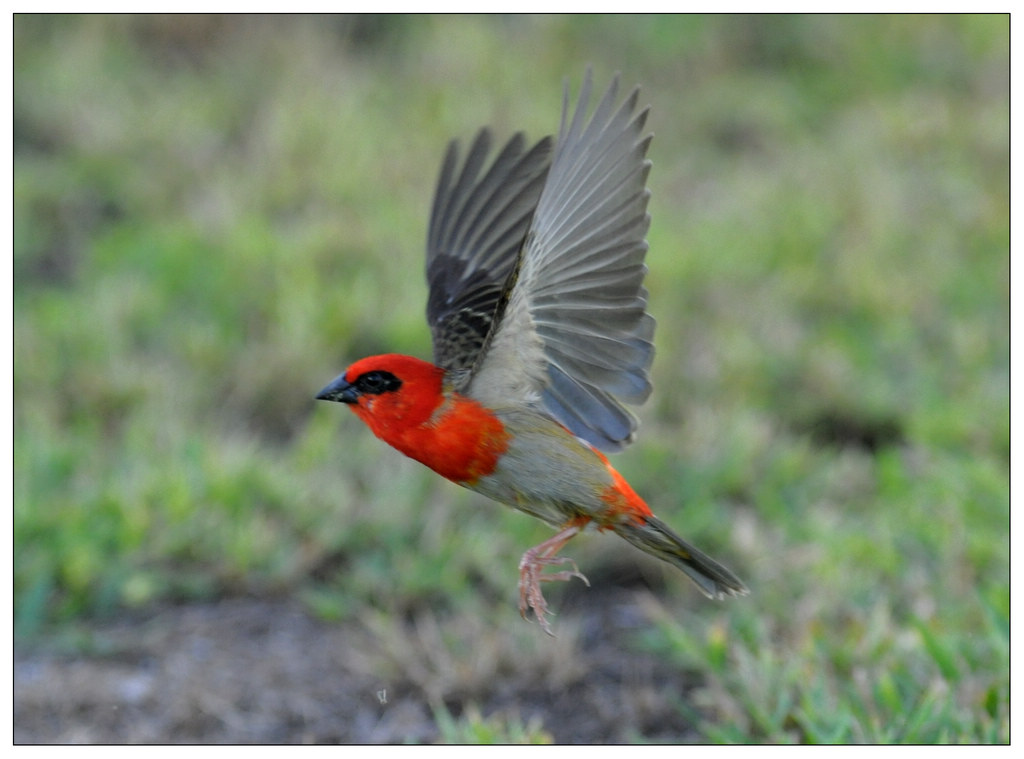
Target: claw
[531, 567]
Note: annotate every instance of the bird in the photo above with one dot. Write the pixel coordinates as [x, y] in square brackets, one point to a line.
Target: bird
[540, 333]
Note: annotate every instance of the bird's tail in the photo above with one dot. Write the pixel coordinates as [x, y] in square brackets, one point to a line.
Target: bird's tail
[656, 538]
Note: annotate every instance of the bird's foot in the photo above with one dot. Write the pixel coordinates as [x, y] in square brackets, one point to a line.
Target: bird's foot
[531, 567]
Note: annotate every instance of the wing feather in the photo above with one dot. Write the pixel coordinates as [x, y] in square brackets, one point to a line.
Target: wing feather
[477, 226]
[574, 337]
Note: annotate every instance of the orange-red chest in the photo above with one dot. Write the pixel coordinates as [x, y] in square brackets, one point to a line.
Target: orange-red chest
[461, 440]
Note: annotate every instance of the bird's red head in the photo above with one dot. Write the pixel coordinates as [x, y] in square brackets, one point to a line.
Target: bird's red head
[390, 393]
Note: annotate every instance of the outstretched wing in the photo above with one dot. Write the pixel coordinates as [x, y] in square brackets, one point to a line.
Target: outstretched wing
[575, 333]
[477, 226]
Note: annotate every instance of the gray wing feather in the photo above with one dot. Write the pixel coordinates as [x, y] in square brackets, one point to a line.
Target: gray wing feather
[575, 334]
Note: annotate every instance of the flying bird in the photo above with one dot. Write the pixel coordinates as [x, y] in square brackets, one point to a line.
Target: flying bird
[538, 315]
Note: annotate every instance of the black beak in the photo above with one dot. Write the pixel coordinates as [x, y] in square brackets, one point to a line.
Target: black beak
[340, 390]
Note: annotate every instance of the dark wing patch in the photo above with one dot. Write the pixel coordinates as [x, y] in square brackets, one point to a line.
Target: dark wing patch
[477, 226]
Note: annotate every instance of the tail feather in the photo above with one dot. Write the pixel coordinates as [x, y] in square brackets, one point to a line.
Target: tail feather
[656, 538]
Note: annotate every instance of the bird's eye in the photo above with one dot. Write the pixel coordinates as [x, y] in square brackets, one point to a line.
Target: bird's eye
[378, 382]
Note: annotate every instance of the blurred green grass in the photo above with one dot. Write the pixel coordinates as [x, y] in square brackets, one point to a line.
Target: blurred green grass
[213, 215]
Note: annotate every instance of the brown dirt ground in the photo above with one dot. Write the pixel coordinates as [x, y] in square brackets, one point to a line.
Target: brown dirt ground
[266, 671]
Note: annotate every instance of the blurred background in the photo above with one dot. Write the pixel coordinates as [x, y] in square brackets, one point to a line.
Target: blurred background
[214, 215]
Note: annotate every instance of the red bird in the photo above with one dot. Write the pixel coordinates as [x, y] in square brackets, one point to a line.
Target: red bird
[540, 332]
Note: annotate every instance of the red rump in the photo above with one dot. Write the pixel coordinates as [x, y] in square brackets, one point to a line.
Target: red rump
[622, 499]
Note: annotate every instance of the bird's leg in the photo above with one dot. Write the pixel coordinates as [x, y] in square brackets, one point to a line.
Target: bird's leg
[533, 563]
